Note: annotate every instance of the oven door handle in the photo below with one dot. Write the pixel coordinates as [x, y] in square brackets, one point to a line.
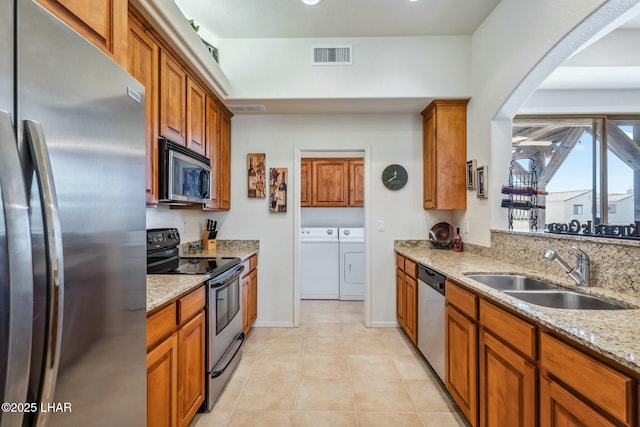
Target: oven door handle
[226, 277]
[233, 349]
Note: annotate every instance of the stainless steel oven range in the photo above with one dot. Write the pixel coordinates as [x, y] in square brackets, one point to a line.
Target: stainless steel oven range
[224, 336]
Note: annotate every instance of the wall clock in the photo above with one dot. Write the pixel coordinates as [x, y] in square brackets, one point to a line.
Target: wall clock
[394, 177]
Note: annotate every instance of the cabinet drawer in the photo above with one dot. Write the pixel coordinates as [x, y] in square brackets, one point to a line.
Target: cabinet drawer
[253, 262]
[518, 333]
[602, 385]
[161, 324]
[247, 267]
[400, 262]
[462, 299]
[411, 268]
[190, 305]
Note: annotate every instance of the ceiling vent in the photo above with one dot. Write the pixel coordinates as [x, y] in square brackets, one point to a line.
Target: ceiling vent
[332, 55]
[247, 108]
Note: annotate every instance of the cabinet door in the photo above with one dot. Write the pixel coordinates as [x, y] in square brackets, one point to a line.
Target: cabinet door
[401, 300]
[411, 307]
[195, 117]
[461, 347]
[305, 183]
[102, 22]
[560, 408]
[224, 164]
[162, 380]
[191, 368]
[142, 64]
[356, 183]
[330, 183]
[173, 103]
[212, 135]
[244, 283]
[507, 385]
[429, 159]
[253, 297]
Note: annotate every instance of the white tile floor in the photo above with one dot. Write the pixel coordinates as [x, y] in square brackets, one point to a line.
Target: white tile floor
[332, 371]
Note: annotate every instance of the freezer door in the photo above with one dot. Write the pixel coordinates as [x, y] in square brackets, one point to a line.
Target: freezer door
[91, 115]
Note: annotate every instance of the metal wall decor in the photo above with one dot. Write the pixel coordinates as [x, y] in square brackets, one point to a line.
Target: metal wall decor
[471, 175]
[482, 182]
[278, 189]
[256, 180]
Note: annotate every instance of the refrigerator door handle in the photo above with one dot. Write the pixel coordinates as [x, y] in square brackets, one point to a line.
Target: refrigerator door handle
[55, 265]
[20, 286]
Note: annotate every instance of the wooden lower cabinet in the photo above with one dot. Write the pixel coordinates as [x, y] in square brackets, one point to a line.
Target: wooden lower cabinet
[407, 296]
[506, 370]
[249, 284]
[507, 385]
[176, 361]
[560, 408]
[461, 352]
[191, 366]
[162, 384]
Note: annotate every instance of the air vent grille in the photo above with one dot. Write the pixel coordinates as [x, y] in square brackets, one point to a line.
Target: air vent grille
[332, 55]
[246, 108]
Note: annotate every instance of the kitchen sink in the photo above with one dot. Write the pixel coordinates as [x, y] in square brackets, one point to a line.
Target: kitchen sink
[511, 282]
[543, 293]
[566, 300]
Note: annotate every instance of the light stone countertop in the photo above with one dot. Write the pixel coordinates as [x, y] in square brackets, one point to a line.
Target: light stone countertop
[612, 333]
[162, 288]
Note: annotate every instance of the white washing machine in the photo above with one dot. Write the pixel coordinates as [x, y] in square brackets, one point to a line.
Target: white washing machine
[352, 269]
[319, 263]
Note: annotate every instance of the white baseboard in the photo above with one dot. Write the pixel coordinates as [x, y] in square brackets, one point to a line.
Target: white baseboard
[274, 324]
[384, 324]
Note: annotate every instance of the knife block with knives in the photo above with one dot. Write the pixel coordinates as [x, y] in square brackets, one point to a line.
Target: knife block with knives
[209, 236]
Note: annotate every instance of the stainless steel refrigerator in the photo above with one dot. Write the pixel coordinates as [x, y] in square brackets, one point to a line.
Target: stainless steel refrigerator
[72, 229]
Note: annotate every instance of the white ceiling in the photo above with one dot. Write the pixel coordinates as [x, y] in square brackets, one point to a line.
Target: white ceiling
[386, 18]
[337, 18]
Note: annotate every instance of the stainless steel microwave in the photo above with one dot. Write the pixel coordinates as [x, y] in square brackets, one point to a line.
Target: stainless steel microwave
[184, 176]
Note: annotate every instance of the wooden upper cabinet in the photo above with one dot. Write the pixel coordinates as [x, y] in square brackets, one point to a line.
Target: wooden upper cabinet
[445, 154]
[142, 63]
[195, 117]
[212, 142]
[102, 22]
[330, 183]
[224, 164]
[173, 93]
[356, 183]
[305, 183]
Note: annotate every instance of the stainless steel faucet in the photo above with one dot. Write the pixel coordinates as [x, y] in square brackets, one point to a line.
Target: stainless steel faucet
[580, 274]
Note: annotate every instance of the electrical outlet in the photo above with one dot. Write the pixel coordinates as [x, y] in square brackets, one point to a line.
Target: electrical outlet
[466, 227]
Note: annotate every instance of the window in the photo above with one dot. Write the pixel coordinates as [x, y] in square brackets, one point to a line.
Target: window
[587, 165]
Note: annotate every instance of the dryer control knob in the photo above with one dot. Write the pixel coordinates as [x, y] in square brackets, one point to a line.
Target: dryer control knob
[347, 232]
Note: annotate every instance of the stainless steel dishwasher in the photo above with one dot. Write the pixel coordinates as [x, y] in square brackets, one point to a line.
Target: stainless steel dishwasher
[431, 318]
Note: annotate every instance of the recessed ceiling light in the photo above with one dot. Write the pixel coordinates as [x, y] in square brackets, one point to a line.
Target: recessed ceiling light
[310, 2]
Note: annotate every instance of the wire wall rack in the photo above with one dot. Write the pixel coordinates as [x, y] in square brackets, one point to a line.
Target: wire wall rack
[522, 194]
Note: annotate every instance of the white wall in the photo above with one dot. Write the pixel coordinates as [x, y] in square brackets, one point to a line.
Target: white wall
[397, 67]
[513, 51]
[391, 138]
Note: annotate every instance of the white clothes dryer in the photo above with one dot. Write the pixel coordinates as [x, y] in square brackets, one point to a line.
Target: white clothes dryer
[352, 265]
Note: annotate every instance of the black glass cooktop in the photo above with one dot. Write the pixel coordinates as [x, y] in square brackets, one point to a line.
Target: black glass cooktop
[212, 266]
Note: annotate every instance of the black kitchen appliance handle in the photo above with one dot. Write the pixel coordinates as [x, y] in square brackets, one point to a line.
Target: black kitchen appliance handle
[237, 343]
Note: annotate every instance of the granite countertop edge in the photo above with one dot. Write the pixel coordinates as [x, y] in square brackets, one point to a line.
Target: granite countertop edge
[611, 333]
[162, 288]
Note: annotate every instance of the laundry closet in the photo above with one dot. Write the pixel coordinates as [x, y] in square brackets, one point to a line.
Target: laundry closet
[332, 247]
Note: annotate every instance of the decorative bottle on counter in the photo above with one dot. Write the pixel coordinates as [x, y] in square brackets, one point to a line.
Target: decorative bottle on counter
[457, 241]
